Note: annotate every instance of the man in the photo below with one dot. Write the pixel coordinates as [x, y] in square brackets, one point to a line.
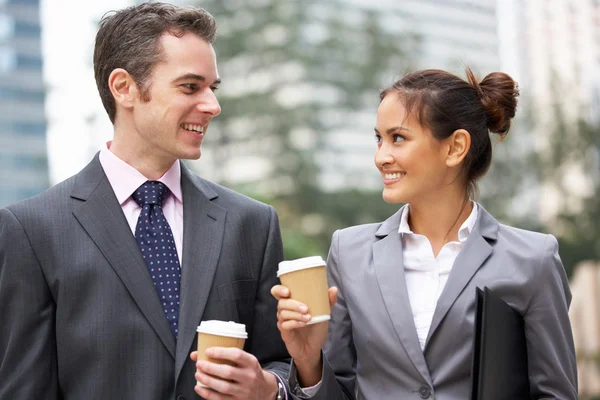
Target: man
[105, 277]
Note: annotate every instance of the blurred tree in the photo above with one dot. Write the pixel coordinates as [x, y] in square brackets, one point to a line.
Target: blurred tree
[575, 148]
[294, 71]
[509, 191]
[565, 161]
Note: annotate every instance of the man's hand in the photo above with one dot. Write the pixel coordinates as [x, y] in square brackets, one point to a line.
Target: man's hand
[246, 380]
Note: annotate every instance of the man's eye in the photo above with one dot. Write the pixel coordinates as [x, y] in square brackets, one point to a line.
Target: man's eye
[190, 86]
[214, 88]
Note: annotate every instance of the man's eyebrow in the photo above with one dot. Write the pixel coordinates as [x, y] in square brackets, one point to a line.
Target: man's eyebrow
[196, 77]
[394, 129]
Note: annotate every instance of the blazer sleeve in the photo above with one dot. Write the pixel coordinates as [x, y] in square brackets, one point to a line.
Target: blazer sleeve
[550, 348]
[28, 362]
[339, 354]
[269, 348]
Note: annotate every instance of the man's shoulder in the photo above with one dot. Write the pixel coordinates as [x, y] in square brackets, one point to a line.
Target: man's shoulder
[229, 198]
[50, 198]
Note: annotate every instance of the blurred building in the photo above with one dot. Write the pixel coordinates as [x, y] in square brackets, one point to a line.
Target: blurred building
[585, 321]
[434, 34]
[552, 47]
[452, 33]
[23, 154]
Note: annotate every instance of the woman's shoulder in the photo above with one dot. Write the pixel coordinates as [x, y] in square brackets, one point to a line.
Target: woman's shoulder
[522, 234]
[532, 242]
[359, 230]
[357, 234]
[371, 230]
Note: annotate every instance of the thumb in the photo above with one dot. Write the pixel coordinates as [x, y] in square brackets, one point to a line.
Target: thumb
[333, 293]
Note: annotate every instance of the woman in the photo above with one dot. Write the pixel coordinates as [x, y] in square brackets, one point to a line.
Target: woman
[403, 324]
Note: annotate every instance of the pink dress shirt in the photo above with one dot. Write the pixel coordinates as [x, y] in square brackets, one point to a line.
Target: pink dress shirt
[125, 179]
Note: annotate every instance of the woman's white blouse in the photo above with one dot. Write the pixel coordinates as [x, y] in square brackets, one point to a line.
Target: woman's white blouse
[425, 274]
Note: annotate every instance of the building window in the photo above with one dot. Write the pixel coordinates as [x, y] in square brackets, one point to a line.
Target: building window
[8, 59]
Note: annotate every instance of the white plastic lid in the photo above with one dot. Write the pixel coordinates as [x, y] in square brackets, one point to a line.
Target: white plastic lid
[301, 263]
[222, 328]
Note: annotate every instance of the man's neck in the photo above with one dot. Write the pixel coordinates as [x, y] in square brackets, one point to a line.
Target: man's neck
[141, 158]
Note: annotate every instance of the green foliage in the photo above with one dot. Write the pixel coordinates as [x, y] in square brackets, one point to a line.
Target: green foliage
[296, 71]
[292, 72]
[579, 228]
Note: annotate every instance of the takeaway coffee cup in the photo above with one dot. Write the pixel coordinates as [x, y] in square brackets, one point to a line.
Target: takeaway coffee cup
[306, 278]
[220, 334]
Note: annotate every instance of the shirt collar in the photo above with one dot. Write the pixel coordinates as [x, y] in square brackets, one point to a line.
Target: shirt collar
[125, 179]
[463, 232]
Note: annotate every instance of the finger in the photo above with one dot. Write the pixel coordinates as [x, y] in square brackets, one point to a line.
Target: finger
[333, 293]
[233, 354]
[222, 372]
[207, 393]
[280, 292]
[291, 305]
[287, 315]
[194, 356]
[290, 325]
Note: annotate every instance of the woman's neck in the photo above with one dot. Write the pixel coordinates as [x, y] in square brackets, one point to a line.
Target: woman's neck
[440, 220]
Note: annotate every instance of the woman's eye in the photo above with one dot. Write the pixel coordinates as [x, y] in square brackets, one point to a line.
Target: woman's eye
[398, 138]
[377, 139]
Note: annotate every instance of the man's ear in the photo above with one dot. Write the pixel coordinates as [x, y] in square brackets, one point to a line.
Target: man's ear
[123, 87]
[459, 144]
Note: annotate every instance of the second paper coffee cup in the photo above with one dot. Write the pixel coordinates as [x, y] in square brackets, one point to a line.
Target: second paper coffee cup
[306, 278]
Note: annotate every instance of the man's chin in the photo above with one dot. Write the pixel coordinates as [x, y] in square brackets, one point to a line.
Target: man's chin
[191, 155]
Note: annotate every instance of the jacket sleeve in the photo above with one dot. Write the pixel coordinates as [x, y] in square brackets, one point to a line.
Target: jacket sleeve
[28, 361]
[550, 348]
[269, 349]
[339, 354]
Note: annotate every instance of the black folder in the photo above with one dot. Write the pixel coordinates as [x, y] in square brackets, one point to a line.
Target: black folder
[500, 353]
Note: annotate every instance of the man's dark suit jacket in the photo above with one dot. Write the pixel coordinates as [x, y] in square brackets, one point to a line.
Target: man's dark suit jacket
[80, 317]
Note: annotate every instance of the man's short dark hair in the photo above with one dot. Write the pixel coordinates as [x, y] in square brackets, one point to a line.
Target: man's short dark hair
[130, 39]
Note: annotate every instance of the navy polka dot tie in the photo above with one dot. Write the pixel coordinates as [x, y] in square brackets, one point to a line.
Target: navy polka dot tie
[155, 238]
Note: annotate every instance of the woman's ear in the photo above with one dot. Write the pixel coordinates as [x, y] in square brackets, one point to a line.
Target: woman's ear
[459, 144]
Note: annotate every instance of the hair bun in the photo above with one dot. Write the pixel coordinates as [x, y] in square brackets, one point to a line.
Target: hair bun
[498, 93]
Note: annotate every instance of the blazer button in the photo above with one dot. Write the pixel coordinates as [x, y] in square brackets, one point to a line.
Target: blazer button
[424, 392]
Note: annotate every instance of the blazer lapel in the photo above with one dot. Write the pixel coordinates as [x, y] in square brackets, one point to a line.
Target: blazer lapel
[101, 216]
[477, 249]
[389, 270]
[203, 229]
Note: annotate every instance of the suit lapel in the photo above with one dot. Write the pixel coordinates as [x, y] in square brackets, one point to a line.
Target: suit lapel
[101, 216]
[477, 249]
[389, 270]
[203, 229]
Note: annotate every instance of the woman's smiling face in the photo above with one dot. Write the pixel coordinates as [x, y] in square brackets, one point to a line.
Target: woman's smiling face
[411, 161]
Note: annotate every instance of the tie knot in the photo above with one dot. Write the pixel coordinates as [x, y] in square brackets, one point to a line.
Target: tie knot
[151, 192]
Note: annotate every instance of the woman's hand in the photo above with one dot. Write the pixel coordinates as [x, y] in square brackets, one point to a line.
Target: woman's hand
[304, 342]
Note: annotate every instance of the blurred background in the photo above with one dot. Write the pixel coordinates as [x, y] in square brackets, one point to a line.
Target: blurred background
[299, 96]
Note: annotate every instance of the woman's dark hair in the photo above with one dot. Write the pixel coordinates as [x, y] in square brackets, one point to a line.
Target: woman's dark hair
[444, 103]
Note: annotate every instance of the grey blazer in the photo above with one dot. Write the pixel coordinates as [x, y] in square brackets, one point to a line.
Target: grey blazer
[80, 317]
[373, 352]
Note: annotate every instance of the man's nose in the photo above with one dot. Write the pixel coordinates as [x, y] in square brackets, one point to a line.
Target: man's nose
[210, 105]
